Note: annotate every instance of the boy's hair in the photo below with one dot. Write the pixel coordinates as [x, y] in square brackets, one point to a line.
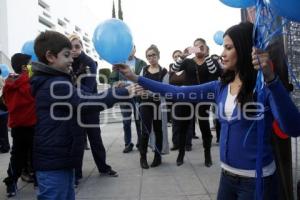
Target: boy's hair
[50, 41]
[18, 60]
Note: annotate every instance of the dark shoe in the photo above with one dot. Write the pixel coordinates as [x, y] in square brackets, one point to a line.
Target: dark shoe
[180, 157]
[157, 160]
[144, 163]
[11, 188]
[195, 137]
[207, 157]
[128, 148]
[137, 145]
[188, 148]
[110, 173]
[174, 148]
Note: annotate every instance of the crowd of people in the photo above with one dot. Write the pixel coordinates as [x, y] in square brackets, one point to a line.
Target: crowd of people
[49, 135]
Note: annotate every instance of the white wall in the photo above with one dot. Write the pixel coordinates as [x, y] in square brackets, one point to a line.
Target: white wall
[3, 25]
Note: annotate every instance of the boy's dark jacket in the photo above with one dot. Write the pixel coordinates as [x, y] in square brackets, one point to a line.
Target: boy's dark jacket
[58, 143]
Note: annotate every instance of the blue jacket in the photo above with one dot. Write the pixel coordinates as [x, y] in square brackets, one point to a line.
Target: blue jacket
[58, 142]
[233, 151]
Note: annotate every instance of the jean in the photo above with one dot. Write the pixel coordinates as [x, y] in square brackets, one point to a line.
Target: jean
[182, 129]
[56, 185]
[126, 111]
[21, 149]
[150, 119]
[97, 147]
[236, 188]
[4, 142]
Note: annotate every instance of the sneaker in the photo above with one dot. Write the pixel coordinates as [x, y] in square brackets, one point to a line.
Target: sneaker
[11, 189]
[4, 150]
[128, 148]
[27, 177]
[110, 173]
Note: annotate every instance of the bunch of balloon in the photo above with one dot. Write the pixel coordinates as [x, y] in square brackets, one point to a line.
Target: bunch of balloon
[28, 48]
[239, 3]
[113, 41]
[4, 71]
[290, 9]
[218, 37]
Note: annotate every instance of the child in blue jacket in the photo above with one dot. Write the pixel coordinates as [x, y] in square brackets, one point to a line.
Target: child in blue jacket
[59, 138]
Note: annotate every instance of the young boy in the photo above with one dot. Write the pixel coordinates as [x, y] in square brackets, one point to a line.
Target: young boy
[22, 118]
[59, 138]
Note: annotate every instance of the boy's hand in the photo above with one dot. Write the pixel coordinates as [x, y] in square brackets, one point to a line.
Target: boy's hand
[126, 71]
[262, 59]
[119, 84]
[135, 90]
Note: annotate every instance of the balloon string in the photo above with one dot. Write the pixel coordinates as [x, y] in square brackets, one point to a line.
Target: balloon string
[135, 103]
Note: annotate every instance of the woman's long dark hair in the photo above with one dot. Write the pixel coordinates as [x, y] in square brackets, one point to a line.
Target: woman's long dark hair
[241, 35]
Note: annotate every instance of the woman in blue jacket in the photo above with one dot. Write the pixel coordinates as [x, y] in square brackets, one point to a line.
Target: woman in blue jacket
[235, 98]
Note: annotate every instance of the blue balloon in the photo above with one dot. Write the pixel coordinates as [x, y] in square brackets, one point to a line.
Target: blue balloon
[28, 48]
[218, 37]
[113, 41]
[4, 70]
[239, 3]
[289, 9]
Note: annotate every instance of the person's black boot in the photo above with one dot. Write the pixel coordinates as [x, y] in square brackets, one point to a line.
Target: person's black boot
[143, 162]
[157, 160]
[180, 157]
[207, 158]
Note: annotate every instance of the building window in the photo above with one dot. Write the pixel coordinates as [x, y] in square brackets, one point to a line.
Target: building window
[61, 23]
[77, 29]
[44, 5]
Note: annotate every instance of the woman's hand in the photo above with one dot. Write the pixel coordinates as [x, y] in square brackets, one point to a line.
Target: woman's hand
[126, 71]
[262, 59]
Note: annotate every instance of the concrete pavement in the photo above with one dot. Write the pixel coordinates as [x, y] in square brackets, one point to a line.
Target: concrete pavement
[191, 181]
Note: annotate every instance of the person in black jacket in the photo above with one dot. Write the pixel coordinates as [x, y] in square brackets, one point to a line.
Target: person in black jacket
[85, 68]
[200, 69]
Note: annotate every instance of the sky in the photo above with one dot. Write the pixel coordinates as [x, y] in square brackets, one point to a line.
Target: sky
[169, 24]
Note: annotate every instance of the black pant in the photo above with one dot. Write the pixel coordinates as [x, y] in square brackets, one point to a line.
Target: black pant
[203, 111]
[182, 129]
[4, 142]
[97, 147]
[149, 117]
[21, 148]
